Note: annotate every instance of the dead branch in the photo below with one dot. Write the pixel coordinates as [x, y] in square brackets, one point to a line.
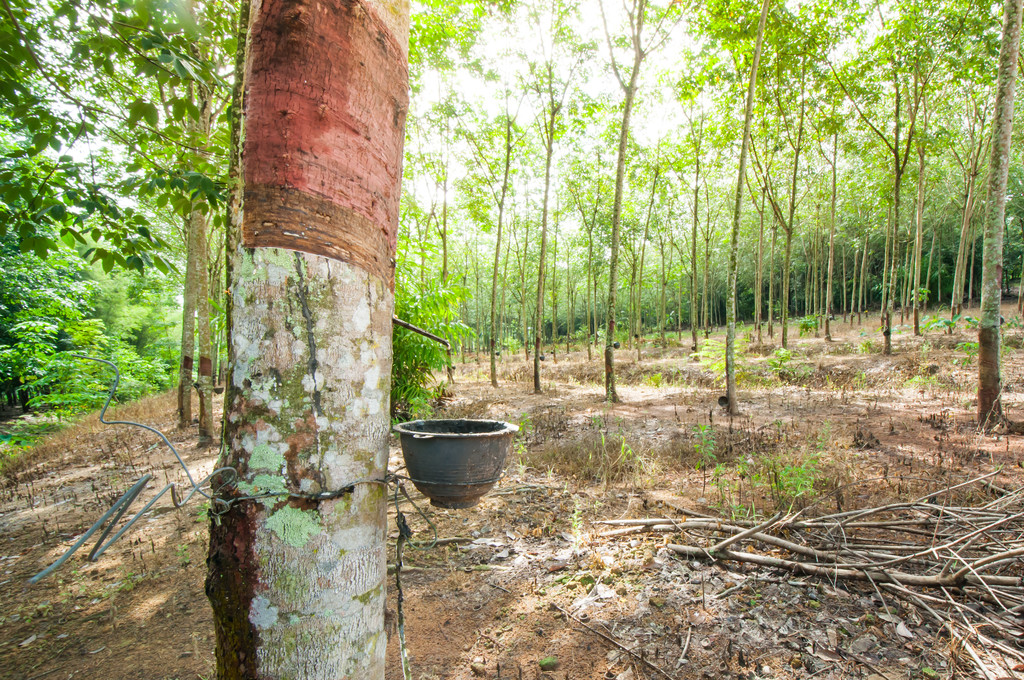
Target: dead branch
[970, 556]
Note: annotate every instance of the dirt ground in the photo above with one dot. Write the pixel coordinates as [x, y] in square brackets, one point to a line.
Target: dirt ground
[529, 575]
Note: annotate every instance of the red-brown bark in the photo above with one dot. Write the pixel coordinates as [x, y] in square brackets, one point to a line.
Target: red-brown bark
[323, 151]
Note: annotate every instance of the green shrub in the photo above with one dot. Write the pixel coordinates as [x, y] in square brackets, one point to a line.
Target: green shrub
[808, 324]
[779, 360]
[418, 374]
[970, 350]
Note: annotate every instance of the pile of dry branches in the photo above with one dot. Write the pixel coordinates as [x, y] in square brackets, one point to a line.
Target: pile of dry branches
[961, 566]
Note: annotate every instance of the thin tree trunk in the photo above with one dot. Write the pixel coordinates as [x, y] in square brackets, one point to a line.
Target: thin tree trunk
[990, 410]
[591, 317]
[845, 280]
[971, 171]
[638, 334]
[831, 241]
[200, 132]
[664, 292]
[928, 274]
[972, 259]
[863, 280]
[497, 246]
[707, 282]
[730, 309]
[759, 270]
[629, 90]
[205, 377]
[554, 293]
[693, 261]
[771, 282]
[551, 116]
[919, 236]
[1020, 284]
[188, 329]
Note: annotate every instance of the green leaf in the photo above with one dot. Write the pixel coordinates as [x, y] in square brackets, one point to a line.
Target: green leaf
[151, 115]
[135, 111]
[160, 263]
[184, 70]
[40, 140]
[178, 109]
[43, 246]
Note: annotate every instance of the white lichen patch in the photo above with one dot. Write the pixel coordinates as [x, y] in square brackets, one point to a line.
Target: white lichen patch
[262, 614]
[266, 457]
[371, 379]
[293, 526]
[360, 317]
[311, 383]
[353, 538]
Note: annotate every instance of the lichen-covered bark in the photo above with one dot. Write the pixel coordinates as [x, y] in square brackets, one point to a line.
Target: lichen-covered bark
[296, 577]
[308, 415]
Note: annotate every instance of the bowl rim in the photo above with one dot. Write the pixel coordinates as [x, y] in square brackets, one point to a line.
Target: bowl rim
[507, 428]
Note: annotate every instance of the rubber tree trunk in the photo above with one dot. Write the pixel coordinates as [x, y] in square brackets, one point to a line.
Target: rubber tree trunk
[730, 309]
[637, 15]
[693, 260]
[759, 271]
[551, 117]
[771, 282]
[989, 380]
[863, 280]
[831, 241]
[296, 573]
[188, 330]
[610, 393]
[497, 248]
[198, 227]
[203, 309]
[919, 222]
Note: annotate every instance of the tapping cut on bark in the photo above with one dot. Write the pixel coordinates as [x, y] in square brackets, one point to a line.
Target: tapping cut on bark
[323, 151]
[296, 578]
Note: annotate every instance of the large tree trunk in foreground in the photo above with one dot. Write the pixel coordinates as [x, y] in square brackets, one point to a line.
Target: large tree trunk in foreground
[989, 381]
[296, 578]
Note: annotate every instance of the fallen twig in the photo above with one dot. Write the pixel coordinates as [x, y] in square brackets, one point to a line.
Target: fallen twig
[608, 638]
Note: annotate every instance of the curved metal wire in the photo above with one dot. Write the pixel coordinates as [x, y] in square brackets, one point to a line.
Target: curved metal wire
[218, 503]
[111, 517]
